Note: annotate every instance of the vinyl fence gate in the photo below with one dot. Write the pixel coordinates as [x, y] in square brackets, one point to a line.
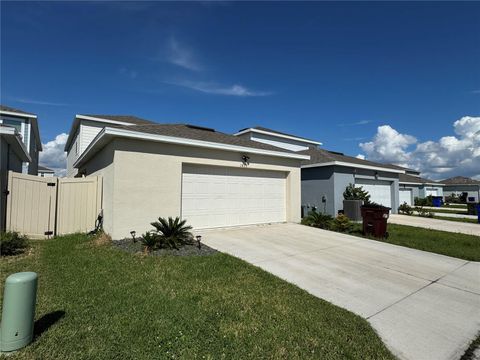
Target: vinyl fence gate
[41, 207]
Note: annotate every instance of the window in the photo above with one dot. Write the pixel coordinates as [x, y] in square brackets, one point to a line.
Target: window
[17, 124]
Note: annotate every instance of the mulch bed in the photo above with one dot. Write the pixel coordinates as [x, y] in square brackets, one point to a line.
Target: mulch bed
[188, 250]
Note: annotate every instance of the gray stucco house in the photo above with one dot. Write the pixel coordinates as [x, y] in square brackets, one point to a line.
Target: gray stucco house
[460, 185]
[412, 186]
[326, 175]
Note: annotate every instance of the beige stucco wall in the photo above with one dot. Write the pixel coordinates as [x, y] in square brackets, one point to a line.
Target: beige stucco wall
[146, 179]
[103, 165]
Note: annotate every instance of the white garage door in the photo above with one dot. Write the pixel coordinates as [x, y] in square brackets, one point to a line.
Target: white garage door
[380, 191]
[406, 196]
[431, 191]
[214, 196]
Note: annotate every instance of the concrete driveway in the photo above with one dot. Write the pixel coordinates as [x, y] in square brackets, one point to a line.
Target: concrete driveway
[436, 224]
[423, 305]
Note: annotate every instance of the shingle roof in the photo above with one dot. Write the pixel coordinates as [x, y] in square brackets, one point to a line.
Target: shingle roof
[10, 109]
[405, 178]
[318, 156]
[261, 128]
[200, 133]
[44, 169]
[460, 180]
[123, 118]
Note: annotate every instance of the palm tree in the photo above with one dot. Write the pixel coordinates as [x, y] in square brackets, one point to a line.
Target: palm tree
[173, 232]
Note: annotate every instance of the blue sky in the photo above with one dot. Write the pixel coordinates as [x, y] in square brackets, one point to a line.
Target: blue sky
[334, 72]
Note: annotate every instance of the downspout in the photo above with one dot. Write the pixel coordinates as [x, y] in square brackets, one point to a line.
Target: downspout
[5, 191]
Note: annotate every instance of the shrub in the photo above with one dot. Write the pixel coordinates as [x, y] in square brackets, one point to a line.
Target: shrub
[356, 193]
[405, 209]
[427, 201]
[12, 243]
[342, 224]
[454, 199]
[423, 212]
[318, 220]
[172, 233]
[149, 241]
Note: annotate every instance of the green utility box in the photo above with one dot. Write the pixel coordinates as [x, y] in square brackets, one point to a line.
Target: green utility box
[18, 313]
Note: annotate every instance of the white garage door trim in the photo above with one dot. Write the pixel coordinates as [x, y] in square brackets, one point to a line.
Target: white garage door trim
[217, 196]
[405, 196]
[380, 191]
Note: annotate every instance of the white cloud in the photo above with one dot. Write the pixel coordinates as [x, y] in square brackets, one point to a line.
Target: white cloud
[180, 55]
[388, 145]
[210, 88]
[361, 122]
[360, 156]
[53, 155]
[454, 155]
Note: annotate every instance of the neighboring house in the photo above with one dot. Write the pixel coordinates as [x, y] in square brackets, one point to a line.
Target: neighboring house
[45, 172]
[27, 127]
[209, 178]
[462, 186]
[326, 175]
[412, 187]
[86, 127]
[13, 154]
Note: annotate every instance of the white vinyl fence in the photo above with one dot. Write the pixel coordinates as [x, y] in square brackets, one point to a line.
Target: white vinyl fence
[41, 207]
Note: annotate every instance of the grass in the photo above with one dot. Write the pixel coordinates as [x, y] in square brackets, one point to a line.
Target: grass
[98, 302]
[455, 206]
[457, 245]
[464, 220]
[443, 211]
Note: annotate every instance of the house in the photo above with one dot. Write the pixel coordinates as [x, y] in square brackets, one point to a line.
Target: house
[210, 178]
[413, 186]
[45, 172]
[462, 186]
[327, 174]
[13, 154]
[27, 127]
[84, 129]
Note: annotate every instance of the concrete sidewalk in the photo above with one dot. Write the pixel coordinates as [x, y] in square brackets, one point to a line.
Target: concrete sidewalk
[423, 305]
[436, 224]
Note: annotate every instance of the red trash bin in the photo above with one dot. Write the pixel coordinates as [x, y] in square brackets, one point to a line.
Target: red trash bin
[375, 220]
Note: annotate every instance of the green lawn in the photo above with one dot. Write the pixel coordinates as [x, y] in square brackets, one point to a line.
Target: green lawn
[441, 242]
[97, 302]
[466, 220]
[443, 211]
[455, 206]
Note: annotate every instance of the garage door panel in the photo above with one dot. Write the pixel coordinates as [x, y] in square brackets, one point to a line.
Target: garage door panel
[380, 191]
[405, 196]
[217, 196]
